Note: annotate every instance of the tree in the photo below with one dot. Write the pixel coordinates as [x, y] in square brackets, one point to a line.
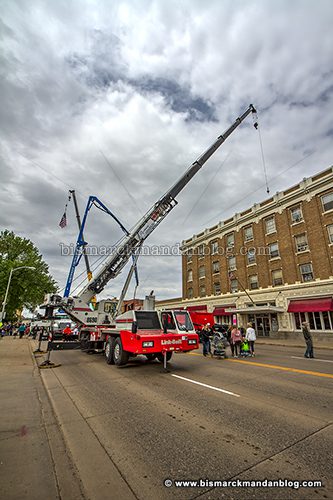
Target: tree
[27, 287]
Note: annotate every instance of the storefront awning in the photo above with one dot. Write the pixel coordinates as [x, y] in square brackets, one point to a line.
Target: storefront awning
[221, 310]
[311, 305]
[197, 308]
[256, 310]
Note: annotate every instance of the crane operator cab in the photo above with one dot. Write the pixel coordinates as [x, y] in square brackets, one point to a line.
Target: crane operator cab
[176, 322]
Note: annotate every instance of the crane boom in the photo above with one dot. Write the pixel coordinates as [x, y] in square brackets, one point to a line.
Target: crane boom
[132, 242]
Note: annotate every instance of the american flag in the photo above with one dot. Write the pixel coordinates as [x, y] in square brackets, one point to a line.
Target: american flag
[63, 221]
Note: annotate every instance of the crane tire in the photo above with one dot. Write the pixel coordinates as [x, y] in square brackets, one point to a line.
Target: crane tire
[160, 356]
[120, 356]
[109, 349]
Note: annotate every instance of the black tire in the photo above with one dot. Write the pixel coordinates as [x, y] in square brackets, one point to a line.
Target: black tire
[150, 357]
[120, 356]
[160, 356]
[109, 350]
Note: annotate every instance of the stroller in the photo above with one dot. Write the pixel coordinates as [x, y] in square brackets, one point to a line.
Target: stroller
[219, 344]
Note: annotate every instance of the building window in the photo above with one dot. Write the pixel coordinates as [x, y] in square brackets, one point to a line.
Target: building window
[251, 256]
[301, 243]
[230, 240]
[330, 233]
[306, 272]
[274, 250]
[253, 281]
[327, 201]
[248, 233]
[201, 271]
[270, 225]
[201, 251]
[317, 320]
[232, 263]
[190, 293]
[216, 266]
[217, 289]
[296, 214]
[233, 286]
[190, 275]
[202, 291]
[277, 278]
[189, 255]
[214, 247]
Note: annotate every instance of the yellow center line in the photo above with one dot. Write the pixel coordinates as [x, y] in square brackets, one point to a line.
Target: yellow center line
[276, 367]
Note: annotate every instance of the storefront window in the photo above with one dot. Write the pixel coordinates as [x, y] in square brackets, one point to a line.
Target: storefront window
[297, 321]
[317, 321]
[311, 322]
[326, 319]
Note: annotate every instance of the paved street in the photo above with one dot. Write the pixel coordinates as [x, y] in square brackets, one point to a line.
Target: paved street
[92, 431]
[140, 426]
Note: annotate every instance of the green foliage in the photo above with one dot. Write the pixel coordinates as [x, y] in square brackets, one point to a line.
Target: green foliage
[28, 287]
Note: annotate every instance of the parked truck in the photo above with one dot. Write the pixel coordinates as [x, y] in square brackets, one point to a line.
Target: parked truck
[120, 336]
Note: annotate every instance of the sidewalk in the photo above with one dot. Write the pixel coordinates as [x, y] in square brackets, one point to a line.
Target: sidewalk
[293, 343]
[33, 460]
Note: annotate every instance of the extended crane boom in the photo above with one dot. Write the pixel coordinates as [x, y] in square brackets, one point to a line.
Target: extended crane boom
[132, 242]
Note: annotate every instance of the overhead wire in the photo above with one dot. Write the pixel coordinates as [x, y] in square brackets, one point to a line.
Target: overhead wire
[256, 126]
[207, 186]
[261, 186]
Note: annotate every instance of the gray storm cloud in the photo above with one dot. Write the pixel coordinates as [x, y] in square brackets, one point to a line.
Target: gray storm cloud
[117, 100]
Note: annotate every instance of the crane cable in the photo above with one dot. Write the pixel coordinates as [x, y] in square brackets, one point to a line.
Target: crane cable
[256, 126]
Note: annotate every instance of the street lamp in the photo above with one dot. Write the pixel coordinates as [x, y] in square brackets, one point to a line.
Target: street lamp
[8, 285]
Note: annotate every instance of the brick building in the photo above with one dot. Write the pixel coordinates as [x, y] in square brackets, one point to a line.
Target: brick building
[271, 264]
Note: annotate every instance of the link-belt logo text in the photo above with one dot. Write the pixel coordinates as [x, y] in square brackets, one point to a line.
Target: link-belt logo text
[168, 342]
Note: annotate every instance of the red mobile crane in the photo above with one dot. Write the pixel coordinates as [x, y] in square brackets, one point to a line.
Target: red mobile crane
[136, 332]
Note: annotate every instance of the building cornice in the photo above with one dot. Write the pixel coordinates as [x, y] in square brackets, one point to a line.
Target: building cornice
[310, 187]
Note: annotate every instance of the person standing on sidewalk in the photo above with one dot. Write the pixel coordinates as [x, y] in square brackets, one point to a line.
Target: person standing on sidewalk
[205, 336]
[21, 330]
[308, 340]
[236, 339]
[251, 337]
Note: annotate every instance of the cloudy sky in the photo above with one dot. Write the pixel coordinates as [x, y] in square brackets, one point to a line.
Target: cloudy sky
[116, 98]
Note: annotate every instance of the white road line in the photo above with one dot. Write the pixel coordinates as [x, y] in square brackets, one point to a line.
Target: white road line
[314, 359]
[205, 385]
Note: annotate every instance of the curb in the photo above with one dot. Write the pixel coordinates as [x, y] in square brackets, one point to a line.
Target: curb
[98, 474]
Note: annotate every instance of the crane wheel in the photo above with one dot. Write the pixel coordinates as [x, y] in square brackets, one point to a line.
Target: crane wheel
[160, 356]
[150, 357]
[120, 356]
[109, 351]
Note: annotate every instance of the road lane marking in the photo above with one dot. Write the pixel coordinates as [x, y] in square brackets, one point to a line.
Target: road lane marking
[205, 385]
[277, 367]
[314, 359]
[283, 368]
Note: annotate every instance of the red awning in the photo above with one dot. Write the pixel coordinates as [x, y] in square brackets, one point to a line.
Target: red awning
[311, 305]
[221, 311]
[197, 308]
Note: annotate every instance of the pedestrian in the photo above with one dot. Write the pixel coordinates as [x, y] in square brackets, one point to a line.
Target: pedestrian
[251, 337]
[308, 340]
[34, 332]
[232, 347]
[206, 333]
[236, 339]
[67, 333]
[21, 330]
